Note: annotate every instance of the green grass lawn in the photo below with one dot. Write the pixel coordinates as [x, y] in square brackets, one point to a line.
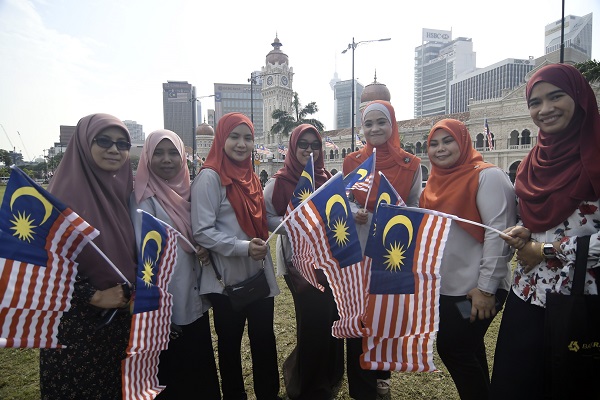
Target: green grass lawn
[19, 368]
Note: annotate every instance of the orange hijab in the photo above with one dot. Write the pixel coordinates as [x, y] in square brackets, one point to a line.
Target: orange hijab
[454, 190]
[397, 165]
[244, 190]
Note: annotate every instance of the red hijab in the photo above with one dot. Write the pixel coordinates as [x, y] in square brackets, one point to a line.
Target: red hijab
[173, 195]
[454, 190]
[397, 165]
[244, 190]
[288, 176]
[562, 169]
[102, 199]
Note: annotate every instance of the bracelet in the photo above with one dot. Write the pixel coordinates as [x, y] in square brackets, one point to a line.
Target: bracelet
[486, 294]
[542, 250]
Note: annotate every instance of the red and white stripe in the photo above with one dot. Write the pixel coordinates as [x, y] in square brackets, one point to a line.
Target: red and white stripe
[150, 334]
[32, 297]
[308, 236]
[401, 328]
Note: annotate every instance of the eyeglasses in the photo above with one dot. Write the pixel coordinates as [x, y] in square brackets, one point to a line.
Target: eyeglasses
[303, 144]
[106, 143]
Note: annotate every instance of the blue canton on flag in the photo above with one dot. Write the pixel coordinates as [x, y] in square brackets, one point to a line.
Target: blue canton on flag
[362, 176]
[305, 186]
[40, 238]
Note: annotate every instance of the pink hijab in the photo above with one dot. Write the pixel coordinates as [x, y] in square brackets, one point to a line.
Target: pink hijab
[172, 195]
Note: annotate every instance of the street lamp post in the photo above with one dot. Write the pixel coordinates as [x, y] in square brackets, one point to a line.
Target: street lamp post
[353, 46]
[193, 100]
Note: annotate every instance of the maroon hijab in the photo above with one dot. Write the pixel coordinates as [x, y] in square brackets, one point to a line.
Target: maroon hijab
[244, 190]
[562, 169]
[288, 176]
[101, 198]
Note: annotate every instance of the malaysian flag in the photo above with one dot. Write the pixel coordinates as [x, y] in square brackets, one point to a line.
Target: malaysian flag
[402, 317]
[152, 310]
[281, 149]
[488, 135]
[362, 176]
[323, 235]
[358, 141]
[304, 188]
[40, 238]
[329, 143]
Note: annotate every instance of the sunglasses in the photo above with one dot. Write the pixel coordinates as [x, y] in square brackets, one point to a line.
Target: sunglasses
[106, 143]
[303, 144]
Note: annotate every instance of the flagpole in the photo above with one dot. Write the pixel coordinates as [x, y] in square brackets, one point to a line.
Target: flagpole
[313, 194]
[373, 176]
[113, 266]
[454, 217]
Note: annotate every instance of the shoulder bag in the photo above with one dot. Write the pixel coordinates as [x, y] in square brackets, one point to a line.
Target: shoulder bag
[248, 291]
[572, 337]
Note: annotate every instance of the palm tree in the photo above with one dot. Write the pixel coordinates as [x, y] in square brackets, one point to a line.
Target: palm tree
[286, 122]
[590, 69]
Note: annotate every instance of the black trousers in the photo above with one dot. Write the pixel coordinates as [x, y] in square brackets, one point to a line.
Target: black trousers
[460, 345]
[187, 367]
[519, 362]
[316, 365]
[229, 326]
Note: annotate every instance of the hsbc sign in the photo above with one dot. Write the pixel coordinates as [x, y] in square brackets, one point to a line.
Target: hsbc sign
[431, 35]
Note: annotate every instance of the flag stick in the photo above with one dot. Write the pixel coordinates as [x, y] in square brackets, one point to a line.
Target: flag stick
[313, 194]
[113, 266]
[453, 217]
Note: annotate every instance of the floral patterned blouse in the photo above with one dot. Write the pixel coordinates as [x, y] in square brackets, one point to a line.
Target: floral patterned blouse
[555, 275]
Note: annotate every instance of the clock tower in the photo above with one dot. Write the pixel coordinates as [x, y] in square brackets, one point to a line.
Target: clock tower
[277, 90]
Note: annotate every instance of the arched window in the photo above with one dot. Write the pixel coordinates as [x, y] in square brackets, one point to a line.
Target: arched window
[479, 142]
[331, 154]
[514, 138]
[343, 153]
[525, 137]
[512, 171]
[424, 172]
[418, 148]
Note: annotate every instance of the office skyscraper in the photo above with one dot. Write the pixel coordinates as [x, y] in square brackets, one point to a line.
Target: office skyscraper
[342, 94]
[487, 83]
[578, 34]
[438, 60]
[179, 98]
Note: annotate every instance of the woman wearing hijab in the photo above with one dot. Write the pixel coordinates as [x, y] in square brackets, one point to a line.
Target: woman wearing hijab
[162, 188]
[558, 187]
[475, 265]
[94, 178]
[229, 219]
[403, 170]
[316, 365]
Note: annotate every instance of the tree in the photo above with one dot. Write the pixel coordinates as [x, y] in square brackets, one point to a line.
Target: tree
[5, 157]
[286, 122]
[590, 70]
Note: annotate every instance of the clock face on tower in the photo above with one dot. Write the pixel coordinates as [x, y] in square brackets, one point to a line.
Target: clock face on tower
[284, 80]
[269, 80]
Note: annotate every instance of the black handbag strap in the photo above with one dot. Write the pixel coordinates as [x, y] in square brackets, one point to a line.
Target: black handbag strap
[212, 262]
[583, 245]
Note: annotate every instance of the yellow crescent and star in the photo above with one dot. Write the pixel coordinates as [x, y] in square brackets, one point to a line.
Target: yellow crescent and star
[304, 193]
[363, 173]
[23, 223]
[340, 229]
[149, 262]
[395, 254]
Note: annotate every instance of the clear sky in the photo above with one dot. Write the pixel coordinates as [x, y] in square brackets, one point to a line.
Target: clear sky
[63, 59]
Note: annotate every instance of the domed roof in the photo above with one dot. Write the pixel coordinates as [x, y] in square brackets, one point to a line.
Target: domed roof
[205, 129]
[375, 91]
[276, 55]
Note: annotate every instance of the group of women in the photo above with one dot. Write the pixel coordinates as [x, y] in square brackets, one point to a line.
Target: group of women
[227, 216]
